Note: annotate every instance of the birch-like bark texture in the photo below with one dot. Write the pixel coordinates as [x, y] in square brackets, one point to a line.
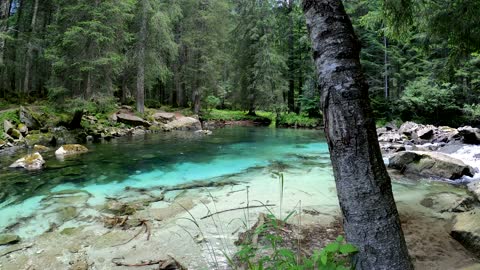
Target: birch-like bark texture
[371, 220]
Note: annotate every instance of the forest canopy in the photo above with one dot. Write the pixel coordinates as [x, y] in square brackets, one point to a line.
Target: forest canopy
[419, 56]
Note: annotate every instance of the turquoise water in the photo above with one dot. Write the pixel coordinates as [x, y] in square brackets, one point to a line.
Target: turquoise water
[154, 160]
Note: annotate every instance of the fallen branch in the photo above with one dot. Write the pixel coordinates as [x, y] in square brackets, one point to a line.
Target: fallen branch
[8, 251]
[238, 208]
[195, 185]
[168, 264]
[145, 228]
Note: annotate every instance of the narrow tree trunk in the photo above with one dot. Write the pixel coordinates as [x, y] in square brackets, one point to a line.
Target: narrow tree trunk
[124, 89]
[371, 220]
[291, 57]
[28, 62]
[88, 88]
[385, 57]
[141, 59]
[4, 13]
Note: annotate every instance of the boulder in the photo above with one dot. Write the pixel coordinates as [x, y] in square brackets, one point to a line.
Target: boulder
[184, 123]
[71, 149]
[30, 162]
[164, 117]
[389, 137]
[40, 148]
[469, 135]
[391, 126]
[7, 126]
[431, 164]
[29, 119]
[466, 230]
[15, 133]
[23, 129]
[132, 120]
[6, 239]
[39, 138]
[474, 189]
[408, 128]
[426, 133]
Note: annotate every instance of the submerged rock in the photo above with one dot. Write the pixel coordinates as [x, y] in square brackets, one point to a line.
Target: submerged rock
[30, 162]
[466, 230]
[203, 132]
[6, 239]
[71, 149]
[430, 164]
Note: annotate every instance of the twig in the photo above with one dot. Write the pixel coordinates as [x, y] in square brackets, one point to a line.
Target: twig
[239, 208]
[15, 250]
[146, 263]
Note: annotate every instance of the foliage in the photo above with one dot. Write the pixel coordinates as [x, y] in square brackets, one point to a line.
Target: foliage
[297, 120]
[335, 255]
[425, 101]
[225, 115]
[10, 115]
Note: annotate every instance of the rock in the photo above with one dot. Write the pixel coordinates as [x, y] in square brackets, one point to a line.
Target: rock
[184, 123]
[164, 117]
[469, 135]
[203, 132]
[474, 189]
[391, 126]
[23, 129]
[71, 149]
[16, 134]
[426, 133]
[121, 209]
[466, 230]
[430, 164]
[29, 119]
[40, 148]
[6, 239]
[7, 126]
[39, 138]
[447, 202]
[132, 120]
[389, 137]
[30, 162]
[408, 128]
[137, 132]
[113, 117]
[67, 213]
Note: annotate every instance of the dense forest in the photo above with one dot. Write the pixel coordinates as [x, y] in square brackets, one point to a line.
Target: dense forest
[421, 58]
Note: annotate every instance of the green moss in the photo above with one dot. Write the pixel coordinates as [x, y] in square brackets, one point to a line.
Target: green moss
[297, 120]
[11, 115]
[224, 115]
[74, 148]
[29, 159]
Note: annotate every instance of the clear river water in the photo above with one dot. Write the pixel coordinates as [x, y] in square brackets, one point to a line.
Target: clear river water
[241, 153]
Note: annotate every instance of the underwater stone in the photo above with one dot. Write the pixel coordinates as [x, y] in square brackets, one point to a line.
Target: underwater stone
[6, 239]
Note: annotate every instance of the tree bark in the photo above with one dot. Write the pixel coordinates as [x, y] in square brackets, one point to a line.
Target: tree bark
[371, 220]
[4, 13]
[141, 59]
[28, 62]
[385, 58]
[291, 58]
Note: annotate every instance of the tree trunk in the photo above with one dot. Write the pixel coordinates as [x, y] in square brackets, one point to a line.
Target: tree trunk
[141, 59]
[4, 12]
[291, 58]
[28, 62]
[385, 57]
[371, 220]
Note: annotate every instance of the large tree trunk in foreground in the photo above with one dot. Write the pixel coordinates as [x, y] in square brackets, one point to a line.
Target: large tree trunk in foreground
[364, 188]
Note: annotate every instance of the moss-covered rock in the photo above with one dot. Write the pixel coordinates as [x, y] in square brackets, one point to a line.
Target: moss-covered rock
[39, 138]
[40, 148]
[30, 118]
[30, 162]
[71, 149]
[23, 129]
[6, 239]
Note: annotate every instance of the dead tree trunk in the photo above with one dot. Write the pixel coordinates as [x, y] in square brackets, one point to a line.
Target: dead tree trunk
[371, 220]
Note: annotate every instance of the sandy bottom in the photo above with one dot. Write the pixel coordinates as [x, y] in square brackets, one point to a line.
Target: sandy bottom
[83, 242]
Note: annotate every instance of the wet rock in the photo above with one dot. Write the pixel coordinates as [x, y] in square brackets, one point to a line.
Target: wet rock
[30, 162]
[132, 120]
[184, 123]
[40, 148]
[7, 126]
[465, 229]
[164, 117]
[29, 118]
[389, 137]
[67, 213]
[80, 263]
[121, 208]
[474, 189]
[426, 133]
[6, 239]
[15, 133]
[447, 202]
[469, 135]
[430, 164]
[71, 149]
[203, 132]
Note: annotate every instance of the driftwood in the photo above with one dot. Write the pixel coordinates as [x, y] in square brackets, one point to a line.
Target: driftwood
[168, 264]
[193, 185]
[238, 208]
[11, 250]
[146, 228]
